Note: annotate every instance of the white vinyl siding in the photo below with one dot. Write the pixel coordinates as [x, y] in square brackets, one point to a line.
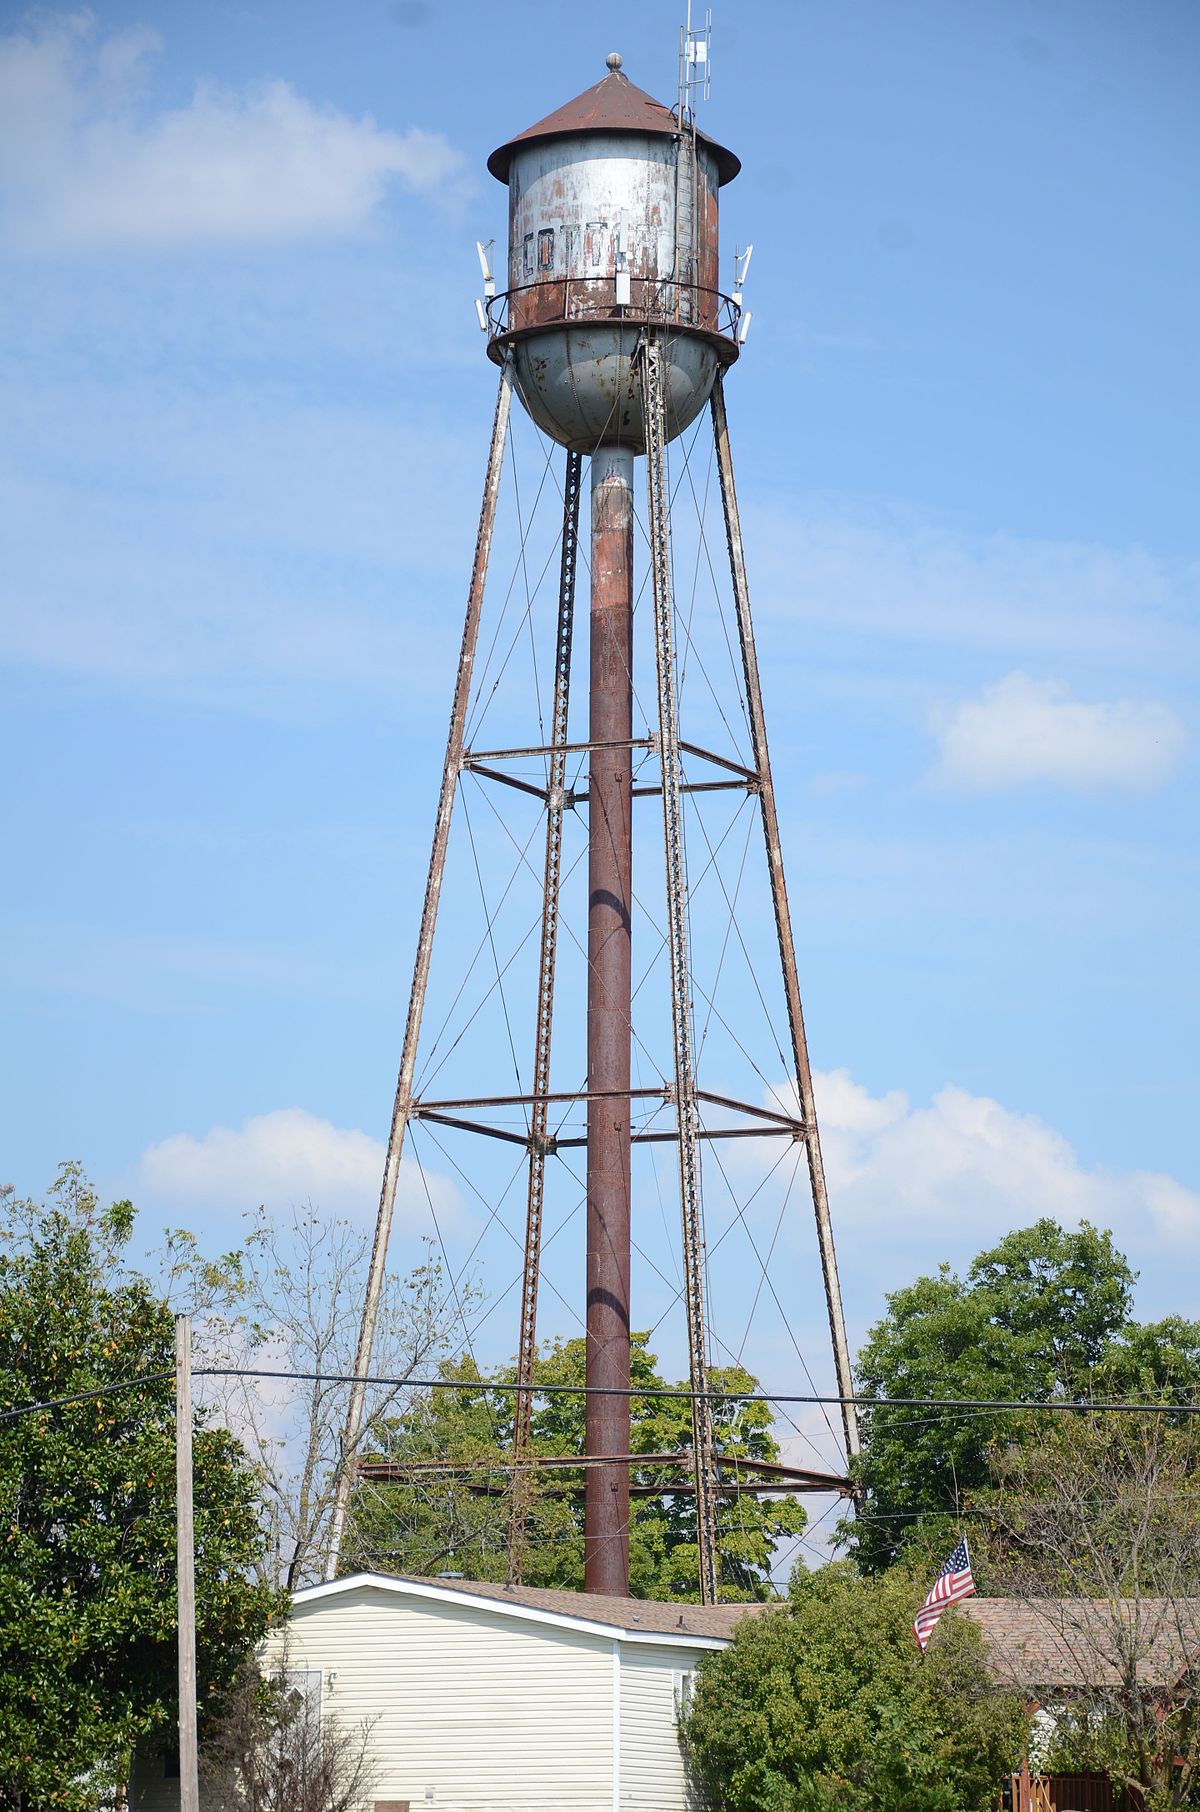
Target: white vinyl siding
[653, 1776]
[487, 1711]
[485, 1706]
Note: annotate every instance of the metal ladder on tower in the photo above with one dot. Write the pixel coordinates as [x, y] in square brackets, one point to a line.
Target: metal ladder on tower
[659, 522]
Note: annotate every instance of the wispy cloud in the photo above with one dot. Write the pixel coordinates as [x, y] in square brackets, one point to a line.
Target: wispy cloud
[1023, 730]
[284, 1158]
[90, 165]
[941, 1180]
[889, 576]
[966, 1161]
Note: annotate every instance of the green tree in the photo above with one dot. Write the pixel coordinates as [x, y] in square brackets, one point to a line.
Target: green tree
[1044, 1316]
[87, 1509]
[452, 1509]
[829, 1706]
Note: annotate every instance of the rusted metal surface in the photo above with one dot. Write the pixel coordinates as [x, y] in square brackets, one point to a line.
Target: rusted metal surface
[613, 104]
[475, 758]
[540, 750]
[692, 253]
[513, 780]
[783, 927]
[725, 1488]
[553, 1096]
[420, 981]
[659, 505]
[580, 382]
[576, 797]
[652, 301]
[556, 777]
[671, 1137]
[766, 1479]
[611, 225]
[549, 1144]
[788, 1122]
[610, 981]
[602, 207]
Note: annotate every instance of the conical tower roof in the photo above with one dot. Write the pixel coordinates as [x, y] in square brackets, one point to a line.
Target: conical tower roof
[612, 105]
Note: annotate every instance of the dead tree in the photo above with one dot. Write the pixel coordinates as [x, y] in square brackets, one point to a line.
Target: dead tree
[1096, 1529]
[290, 1301]
[276, 1748]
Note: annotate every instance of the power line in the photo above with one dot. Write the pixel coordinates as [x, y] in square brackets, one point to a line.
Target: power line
[86, 1396]
[678, 1391]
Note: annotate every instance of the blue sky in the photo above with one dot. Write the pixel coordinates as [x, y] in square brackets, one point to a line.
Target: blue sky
[246, 418]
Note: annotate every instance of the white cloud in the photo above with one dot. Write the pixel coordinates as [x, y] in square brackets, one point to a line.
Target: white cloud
[1020, 729]
[911, 1185]
[282, 1158]
[88, 165]
[881, 575]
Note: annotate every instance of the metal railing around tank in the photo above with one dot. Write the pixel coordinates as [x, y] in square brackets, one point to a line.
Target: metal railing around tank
[555, 300]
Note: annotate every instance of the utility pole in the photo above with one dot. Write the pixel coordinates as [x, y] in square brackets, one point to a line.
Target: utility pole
[185, 1562]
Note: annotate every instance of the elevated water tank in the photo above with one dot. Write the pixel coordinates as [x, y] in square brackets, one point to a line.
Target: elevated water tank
[612, 225]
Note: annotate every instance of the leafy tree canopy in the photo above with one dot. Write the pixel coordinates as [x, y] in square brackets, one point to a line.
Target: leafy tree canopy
[87, 1509]
[452, 1511]
[829, 1706]
[1043, 1316]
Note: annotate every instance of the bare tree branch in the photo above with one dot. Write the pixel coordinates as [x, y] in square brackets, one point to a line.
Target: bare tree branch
[290, 1299]
[1096, 1529]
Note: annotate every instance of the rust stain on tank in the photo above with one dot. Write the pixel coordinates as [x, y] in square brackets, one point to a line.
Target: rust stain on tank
[613, 222]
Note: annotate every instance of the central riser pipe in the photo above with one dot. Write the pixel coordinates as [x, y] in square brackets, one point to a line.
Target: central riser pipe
[610, 862]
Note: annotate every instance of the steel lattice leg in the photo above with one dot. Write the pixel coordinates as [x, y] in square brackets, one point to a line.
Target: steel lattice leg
[555, 806]
[654, 410]
[783, 926]
[352, 1433]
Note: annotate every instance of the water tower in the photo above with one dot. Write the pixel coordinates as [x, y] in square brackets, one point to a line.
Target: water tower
[615, 335]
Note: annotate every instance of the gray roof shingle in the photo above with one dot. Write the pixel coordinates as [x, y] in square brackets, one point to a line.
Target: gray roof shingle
[648, 1615]
[1086, 1642]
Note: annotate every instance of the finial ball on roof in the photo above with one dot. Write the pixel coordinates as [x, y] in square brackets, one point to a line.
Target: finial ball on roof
[614, 59]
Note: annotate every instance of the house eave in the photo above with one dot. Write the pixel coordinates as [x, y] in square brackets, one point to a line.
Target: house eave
[421, 1589]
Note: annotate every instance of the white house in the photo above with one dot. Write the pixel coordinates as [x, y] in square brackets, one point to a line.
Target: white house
[489, 1698]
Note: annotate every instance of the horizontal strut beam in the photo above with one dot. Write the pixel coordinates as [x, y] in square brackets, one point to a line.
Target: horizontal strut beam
[535, 751]
[664, 1092]
[572, 798]
[768, 1475]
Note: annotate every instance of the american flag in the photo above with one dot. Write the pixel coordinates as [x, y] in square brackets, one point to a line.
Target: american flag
[952, 1583]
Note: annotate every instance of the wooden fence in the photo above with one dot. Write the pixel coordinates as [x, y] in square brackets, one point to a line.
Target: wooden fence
[1067, 1793]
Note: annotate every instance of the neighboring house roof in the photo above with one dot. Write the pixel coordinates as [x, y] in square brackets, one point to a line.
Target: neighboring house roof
[1087, 1642]
[636, 1619]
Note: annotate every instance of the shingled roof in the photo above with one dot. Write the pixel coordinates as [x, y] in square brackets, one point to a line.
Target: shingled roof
[653, 1616]
[1066, 1643]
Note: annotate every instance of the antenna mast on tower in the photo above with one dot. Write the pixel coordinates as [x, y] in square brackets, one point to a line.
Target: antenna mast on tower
[695, 50]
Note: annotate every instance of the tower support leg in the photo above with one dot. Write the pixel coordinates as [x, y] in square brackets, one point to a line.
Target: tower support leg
[552, 875]
[352, 1433]
[610, 898]
[783, 927]
[659, 514]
